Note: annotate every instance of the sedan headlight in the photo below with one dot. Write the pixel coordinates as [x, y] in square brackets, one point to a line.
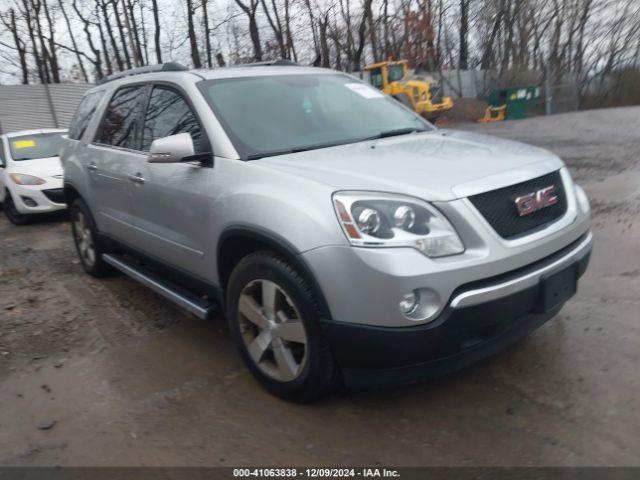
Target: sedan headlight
[371, 219]
[24, 179]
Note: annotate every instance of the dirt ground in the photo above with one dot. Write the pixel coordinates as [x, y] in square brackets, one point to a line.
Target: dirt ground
[108, 373]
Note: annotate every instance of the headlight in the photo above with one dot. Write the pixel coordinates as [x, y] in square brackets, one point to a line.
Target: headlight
[371, 219]
[23, 179]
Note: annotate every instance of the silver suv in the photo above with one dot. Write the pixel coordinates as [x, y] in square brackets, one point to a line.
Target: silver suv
[343, 237]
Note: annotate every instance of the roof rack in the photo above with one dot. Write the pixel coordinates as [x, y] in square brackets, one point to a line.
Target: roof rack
[281, 62]
[161, 67]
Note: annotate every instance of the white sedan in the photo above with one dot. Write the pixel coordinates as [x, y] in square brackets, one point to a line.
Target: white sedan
[31, 175]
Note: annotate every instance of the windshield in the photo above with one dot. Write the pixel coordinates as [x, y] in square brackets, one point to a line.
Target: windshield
[269, 115]
[31, 147]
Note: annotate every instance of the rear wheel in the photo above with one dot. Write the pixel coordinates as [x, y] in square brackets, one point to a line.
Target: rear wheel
[12, 213]
[85, 238]
[274, 320]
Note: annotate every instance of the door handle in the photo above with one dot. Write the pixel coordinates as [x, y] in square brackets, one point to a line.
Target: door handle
[92, 166]
[137, 178]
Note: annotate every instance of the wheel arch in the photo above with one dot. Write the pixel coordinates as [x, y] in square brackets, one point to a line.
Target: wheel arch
[70, 193]
[239, 241]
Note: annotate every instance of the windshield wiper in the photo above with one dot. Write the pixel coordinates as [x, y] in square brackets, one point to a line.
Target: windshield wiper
[256, 156]
[388, 133]
[396, 132]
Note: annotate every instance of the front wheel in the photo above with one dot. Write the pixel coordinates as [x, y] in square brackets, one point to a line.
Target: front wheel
[274, 321]
[12, 213]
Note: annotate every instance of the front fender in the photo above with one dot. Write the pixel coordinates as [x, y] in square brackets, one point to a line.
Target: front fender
[276, 203]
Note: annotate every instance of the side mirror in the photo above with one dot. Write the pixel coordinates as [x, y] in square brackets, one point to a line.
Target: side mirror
[171, 149]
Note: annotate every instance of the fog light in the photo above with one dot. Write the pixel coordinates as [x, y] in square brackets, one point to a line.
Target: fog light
[29, 202]
[409, 302]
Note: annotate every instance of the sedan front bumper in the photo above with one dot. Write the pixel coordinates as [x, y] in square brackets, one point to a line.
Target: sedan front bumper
[38, 199]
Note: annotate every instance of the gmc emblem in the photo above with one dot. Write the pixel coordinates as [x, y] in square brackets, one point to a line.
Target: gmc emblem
[533, 202]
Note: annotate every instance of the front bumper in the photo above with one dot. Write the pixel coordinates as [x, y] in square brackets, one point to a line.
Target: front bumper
[38, 199]
[481, 319]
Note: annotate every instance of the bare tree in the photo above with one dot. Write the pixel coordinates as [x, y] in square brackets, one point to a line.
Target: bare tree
[464, 34]
[156, 35]
[193, 41]
[123, 37]
[74, 43]
[250, 9]
[11, 24]
[86, 26]
[107, 23]
[207, 32]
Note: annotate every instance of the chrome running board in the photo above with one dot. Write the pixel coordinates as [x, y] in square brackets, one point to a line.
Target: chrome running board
[200, 307]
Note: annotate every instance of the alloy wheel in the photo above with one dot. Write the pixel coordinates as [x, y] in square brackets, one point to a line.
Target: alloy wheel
[84, 239]
[272, 330]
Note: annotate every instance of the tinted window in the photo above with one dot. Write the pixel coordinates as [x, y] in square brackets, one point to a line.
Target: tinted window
[30, 147]
[168, 113]
[120, 125]
[83, 115]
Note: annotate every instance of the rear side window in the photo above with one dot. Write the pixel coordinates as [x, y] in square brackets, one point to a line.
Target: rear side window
[120, 125]
[169, 113]
[83, 115]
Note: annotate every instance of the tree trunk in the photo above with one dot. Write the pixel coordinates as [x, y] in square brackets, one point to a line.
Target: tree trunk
[46, 59]
[132, 29]
[156, 36]
[55, 69]
[485, 62]
[103, 42]
[324, 44]
[21, 48]
[463, 63]
[362, 30]
[144, 35]
[97, 62]
[73, 41]
[276, 26]
[193, 42]
[112, 37]
[207, 33]
[250, 11]
[123, 38]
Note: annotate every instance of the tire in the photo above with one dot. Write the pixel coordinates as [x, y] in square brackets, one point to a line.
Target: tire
[85, 237]
[12, 214]
[292, 362]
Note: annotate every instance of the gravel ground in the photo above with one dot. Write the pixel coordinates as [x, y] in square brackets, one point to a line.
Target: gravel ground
[108, 373]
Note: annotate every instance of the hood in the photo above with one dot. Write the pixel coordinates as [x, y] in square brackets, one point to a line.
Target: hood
[442, 165]
[40, 167]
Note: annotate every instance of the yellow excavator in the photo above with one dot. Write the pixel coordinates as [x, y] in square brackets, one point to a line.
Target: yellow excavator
[423, 96]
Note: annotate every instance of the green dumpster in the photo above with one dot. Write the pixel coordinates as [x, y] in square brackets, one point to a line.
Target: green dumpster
[519, 100]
